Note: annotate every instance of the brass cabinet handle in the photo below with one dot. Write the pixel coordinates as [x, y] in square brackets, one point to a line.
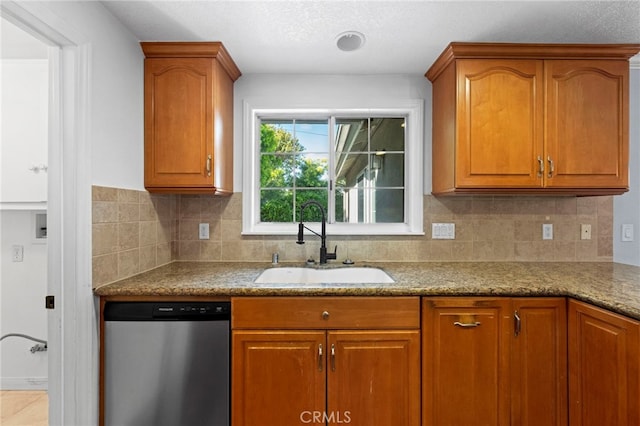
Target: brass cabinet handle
[467, 324]
[325, 315]
[517, 323]
[209, 165]
[551, 167]
[320, 356]
[333, 357]
[540, 166]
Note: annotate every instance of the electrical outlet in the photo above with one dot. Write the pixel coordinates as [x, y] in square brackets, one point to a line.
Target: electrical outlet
[203, 231]
[627, 232]
[547, 231]
[585, 231]
[443, 231]
[17, 253]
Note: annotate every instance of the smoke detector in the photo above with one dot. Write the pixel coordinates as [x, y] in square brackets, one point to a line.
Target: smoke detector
[349, 41]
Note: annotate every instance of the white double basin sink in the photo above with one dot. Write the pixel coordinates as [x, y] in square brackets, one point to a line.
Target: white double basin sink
[341, 275]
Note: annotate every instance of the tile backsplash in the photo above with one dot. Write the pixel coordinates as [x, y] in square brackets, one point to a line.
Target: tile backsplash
[134, 231]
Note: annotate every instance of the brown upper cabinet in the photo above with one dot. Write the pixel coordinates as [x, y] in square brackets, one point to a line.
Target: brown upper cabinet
[188, 117]
[531, 119]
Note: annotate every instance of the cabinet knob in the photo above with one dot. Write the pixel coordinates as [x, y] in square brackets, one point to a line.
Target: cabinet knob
[325, 315]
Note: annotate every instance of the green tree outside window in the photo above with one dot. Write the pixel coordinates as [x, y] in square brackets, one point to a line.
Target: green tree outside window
[288, 177]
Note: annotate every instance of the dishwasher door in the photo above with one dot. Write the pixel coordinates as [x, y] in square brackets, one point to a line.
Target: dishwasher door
[166, 364]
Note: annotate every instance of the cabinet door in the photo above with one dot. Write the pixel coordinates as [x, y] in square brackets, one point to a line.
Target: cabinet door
[539, 362]
[278, 377]
[178, 122]
[604, 367]
[374, 378]
[25, 132]
[500, 123]
[587, 123]
[465, 366]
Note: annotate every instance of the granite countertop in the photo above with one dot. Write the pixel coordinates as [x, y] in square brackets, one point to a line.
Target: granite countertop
[610, 285]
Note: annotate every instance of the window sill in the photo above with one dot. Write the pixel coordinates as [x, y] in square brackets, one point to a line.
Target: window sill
[334, 229]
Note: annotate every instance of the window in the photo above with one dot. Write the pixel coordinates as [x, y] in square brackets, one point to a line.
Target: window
[363, 166]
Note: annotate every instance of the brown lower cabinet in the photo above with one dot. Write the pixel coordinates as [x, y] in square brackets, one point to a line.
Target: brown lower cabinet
[494, 361]
[278, 376]
[485, 361]
[604, 367]
[352, 361]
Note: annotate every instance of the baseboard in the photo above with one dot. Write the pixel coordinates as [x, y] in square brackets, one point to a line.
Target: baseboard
[24, 383]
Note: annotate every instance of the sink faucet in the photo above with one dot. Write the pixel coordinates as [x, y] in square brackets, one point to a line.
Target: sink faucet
[324, 256]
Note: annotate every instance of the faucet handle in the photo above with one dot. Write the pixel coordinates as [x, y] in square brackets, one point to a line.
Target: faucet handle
[333, 256]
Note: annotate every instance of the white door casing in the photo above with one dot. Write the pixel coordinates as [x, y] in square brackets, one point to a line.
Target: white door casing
[72, 325]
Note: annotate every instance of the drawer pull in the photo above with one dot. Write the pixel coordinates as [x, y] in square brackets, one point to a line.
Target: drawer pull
[325, 315]
[467, 324]
[320, 356]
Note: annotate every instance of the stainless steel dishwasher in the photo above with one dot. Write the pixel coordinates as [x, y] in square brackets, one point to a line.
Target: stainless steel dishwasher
[166, 364]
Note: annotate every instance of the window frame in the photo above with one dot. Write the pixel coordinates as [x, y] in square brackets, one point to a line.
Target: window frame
[412, 109]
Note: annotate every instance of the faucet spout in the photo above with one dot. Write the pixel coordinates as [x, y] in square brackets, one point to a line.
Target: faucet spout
[324, 256]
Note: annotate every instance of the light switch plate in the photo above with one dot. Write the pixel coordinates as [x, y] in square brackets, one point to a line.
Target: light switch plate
[547, 231]
[627, 232]
[17, 253]
[443, 231]
[203, 231]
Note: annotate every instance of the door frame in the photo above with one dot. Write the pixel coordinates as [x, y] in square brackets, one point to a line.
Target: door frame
[72, 325]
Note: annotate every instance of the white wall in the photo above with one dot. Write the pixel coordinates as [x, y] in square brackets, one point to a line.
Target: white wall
[23, 288]
[328, 91]
[626, 208]
[116, 86]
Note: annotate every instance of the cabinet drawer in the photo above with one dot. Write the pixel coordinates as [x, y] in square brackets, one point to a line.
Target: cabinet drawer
[325, 312]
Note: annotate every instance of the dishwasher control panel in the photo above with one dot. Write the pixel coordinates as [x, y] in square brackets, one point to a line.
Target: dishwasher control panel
[190, 310]
[167, 311]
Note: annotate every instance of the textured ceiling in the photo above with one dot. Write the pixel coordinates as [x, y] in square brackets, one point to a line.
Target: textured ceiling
[402, 36]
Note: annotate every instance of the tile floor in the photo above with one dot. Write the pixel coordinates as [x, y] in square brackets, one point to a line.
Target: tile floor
[24, 408]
